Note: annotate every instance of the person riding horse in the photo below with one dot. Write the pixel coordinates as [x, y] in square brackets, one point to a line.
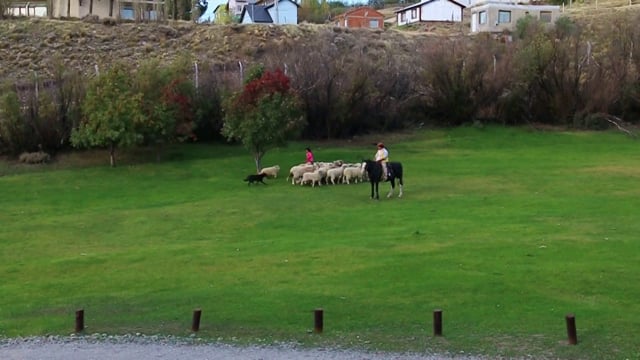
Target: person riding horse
[382, 156]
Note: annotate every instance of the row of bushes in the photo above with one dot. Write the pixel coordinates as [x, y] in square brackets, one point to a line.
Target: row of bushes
[557, 77]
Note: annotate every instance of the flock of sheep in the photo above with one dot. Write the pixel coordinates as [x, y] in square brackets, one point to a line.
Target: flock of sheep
[318, 173]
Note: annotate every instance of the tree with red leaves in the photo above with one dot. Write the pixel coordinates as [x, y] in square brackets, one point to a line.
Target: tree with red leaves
[264, 115]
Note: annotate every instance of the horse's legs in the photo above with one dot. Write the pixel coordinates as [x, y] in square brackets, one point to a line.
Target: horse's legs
[393, 185]
[377, 195]
[400, 185]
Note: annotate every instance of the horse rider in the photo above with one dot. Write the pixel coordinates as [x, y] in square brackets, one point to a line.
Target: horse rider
[382, 157]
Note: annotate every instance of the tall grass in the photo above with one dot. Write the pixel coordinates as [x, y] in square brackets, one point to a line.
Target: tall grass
[505, 230]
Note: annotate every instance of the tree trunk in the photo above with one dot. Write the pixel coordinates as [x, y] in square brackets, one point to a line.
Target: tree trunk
[112, 154]
[159, 150]
[257, 157]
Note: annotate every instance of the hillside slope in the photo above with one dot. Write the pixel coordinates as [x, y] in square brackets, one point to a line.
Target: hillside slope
[29, 47]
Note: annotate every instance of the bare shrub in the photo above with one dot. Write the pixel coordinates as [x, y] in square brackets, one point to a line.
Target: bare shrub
[14, 132]
[4, 8]
[625, 50]
[552, 73]
[347, 86]
[321, 81]
[461, 80]
[213, 82]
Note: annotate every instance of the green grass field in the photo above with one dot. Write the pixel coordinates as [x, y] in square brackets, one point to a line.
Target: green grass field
[506, 230]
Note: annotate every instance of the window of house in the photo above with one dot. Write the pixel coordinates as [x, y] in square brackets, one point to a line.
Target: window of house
[414, 13]
[374, 24]
[545, 16]
[504, 17]
[126, 12]
[403, 17]
[482, 17]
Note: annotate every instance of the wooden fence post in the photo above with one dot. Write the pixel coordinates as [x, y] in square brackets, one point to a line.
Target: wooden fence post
[79, 320]
[571, 329]
[437, 322]
[318, 320]
[195, 323]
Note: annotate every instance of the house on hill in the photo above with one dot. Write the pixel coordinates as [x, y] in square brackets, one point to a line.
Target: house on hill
[361, 17]
[27, 8]
[498, 16]
[235, 7]
[132, 10]
[270, 12]
[430, 10]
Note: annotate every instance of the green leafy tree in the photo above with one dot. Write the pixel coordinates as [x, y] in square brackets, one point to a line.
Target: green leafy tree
[112, 113]
[167, 98]
[223, 16]
[527, 26]
[314, 11]
[265, 114]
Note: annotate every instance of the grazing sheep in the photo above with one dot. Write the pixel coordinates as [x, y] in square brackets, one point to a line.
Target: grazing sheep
[295, 173]
[335, 174]
[271, 171]
[311, 178]
[35, 157]
[323, 174]
[354, 174]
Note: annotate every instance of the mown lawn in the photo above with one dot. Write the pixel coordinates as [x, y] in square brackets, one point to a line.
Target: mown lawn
[506, 230]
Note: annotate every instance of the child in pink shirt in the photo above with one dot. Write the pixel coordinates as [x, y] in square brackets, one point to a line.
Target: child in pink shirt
[309, 156]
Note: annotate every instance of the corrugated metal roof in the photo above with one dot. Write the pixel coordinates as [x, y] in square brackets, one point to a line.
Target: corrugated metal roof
[257, 13]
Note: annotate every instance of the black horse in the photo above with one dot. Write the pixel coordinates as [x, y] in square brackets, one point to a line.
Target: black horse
[374, 171]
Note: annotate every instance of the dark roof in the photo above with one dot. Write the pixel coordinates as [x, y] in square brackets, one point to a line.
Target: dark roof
[426, 2]
[257, 13]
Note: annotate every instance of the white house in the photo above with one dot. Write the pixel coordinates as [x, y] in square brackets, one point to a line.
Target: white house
[270, 12]
[500, 16]
[27, 8]
[236, 6]
[121, 9]
[472, 3]
[430, 10]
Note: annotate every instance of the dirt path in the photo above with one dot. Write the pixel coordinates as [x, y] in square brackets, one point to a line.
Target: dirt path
[130, 347]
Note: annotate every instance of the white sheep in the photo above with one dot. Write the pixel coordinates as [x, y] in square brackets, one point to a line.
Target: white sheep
[35, 157]
[323, 174]
[353, 173]
[335, 174]
[271, 171]
[295, 173]
[312, 178]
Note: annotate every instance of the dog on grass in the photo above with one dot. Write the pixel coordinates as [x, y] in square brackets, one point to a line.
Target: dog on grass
[256, 178]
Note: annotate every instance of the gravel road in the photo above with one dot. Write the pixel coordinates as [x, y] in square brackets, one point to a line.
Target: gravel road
[137, 347]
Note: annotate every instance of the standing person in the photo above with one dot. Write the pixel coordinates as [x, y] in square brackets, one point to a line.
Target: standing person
[309, 156]
[382, 156]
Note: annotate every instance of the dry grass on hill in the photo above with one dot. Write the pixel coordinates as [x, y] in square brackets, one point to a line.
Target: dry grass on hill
[30, 46]
[599, 16]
